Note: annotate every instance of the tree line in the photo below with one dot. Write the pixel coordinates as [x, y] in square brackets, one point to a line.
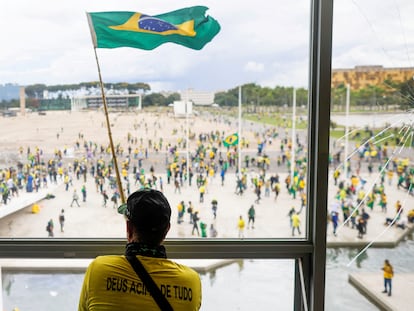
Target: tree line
[390, 93]
[399, 95]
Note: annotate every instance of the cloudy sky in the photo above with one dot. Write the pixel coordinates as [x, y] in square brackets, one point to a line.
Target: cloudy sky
[261, 41]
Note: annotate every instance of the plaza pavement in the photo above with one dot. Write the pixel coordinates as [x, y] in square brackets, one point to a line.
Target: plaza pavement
[91, 219]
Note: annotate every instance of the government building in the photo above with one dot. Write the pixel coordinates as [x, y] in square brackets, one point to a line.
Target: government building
[363, 76]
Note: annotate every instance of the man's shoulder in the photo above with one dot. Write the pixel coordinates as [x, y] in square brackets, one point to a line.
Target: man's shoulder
[107, 260]
[169, 267]
[149, 262]
[166, 263]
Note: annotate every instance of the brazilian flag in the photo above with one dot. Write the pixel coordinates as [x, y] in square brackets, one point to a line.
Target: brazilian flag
[231, 140]
[189, 27]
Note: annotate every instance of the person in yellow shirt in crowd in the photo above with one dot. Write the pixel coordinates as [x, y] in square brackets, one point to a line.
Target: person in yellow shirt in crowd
[360, 195]
[180, 212]
[354, 182]
[336, 176]
[301, 185]
[241, 225]
[202, 191]
[295, 223]
[383, 202]
[110, 282]
[410, 216]
[371, 200]
[398, 209]
[211, 174]
[388, 275]
[390, 175]
[66, 181]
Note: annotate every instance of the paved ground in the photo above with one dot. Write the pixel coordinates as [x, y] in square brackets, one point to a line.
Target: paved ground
[91, 219]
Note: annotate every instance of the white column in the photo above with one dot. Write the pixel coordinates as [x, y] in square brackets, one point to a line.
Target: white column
[140, 102]
[239, 133]
[22, 94]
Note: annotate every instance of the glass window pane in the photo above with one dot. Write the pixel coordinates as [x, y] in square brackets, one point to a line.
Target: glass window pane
[254, 284]
[368, 265]
[371, 169]
[58, 147]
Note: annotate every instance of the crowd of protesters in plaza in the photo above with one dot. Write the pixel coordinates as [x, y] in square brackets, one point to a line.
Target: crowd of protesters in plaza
[210, 162]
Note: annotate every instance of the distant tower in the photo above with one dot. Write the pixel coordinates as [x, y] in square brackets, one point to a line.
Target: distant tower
[22, 101]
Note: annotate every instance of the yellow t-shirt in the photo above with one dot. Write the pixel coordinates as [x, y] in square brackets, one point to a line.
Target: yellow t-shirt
[388, 272]
[110, 283]
[241, 224]
[295, 220]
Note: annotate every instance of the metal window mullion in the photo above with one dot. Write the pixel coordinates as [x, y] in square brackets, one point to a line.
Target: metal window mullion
[319, 120]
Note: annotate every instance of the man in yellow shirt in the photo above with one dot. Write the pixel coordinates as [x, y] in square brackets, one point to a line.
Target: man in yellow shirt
[410, 216]
[388, 274]
[240, 225]
[295, 223]
[110, 282]
[202, 190]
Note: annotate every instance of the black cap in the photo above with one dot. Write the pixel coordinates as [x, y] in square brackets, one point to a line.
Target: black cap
[148, 209]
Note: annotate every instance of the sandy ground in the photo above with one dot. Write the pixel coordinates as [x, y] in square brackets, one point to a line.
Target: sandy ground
[61, 130]
[57, 130]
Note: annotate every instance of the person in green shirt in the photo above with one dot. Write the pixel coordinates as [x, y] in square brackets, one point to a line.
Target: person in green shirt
[110, 282]
[203, 227]
[251, 216]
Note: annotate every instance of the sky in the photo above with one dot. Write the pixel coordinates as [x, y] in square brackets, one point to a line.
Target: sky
[262, 41]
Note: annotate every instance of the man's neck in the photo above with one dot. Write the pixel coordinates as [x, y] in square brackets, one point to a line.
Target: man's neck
[138, 248]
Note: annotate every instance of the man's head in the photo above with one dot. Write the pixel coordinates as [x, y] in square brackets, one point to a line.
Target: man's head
[148, 213]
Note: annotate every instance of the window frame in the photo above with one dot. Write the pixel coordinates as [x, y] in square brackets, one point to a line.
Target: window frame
[311, 251]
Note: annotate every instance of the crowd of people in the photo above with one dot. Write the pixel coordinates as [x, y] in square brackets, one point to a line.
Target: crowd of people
[355, 198]
[209, 162]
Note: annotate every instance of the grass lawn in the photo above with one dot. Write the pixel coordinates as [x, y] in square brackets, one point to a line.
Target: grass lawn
[276, 120]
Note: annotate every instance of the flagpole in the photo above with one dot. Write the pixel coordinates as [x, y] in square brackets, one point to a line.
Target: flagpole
[346, 130]
[108, 126]
[239, 133]
[186, 138]
[292, 162]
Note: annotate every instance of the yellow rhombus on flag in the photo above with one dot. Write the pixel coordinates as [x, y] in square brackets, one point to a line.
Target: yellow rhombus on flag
[231, 140]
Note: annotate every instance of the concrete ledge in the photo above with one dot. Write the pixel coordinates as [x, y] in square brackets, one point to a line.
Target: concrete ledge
[371, 285]
[27, 199]
[206, 265]
[382, 243]
[79, 265]
[44, 265]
